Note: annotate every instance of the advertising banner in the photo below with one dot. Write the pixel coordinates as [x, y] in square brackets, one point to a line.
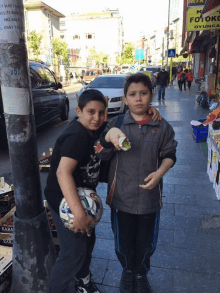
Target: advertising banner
[196, 2]
[196, 23]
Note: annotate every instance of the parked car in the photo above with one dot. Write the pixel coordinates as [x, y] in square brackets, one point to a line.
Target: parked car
[125, 68]
[112, 86]
[151, 71]
[91, 74]
[49, 99]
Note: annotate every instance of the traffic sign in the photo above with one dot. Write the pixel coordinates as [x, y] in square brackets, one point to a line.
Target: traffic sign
[171, 53]
[139, 54]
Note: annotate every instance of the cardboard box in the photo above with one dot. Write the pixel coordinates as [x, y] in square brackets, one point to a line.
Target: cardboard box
[6, 239]
[5, 268]
[5, 189]
[4, 227]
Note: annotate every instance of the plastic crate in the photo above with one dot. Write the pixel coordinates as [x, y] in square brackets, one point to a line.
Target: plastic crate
[200, 132]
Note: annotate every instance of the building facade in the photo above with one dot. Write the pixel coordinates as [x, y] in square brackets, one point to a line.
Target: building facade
[102, 32]
[43, 19]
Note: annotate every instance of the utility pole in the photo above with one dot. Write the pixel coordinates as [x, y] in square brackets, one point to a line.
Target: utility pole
[168, 31]
[33, 249]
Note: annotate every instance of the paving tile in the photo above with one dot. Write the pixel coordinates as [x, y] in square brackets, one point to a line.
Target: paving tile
[113, 274]
[188, 211]
[108, 289]
[104, 231]
[189, 224]
[176, 180]
[195, 282]
[168, 188]
[104, 248]
[180, 199]
[98, 268]
[200, 241]
[183, 189]
[168, 209]
[161, 280]
[177, 259]
[165, 237]
[106, 216]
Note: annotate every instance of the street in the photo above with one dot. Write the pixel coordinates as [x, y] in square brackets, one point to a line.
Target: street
[46, 134]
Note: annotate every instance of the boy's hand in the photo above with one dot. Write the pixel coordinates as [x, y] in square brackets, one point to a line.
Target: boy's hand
[152, 180]
[155, 112]
[82, 224]
[113, 136]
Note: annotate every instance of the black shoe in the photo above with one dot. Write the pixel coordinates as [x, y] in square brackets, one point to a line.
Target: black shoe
[85, 285]
[142, 285]
[158, 99]
[127, 281]
[163, 98]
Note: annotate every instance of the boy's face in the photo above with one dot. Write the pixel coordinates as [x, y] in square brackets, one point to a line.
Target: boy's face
[138, 98]
[92, 116]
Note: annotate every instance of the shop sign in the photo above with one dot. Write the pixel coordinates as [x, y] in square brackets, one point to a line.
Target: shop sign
[196, 2]
[196, 23]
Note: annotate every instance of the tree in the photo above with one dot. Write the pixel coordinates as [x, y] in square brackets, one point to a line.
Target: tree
[60, 49]
[128, 56]
[98, 57]
[34, 43]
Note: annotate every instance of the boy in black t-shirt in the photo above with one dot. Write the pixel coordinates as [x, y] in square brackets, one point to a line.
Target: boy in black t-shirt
[74, 164]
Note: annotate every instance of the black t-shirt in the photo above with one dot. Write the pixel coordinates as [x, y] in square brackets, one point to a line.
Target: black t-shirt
[76, 143]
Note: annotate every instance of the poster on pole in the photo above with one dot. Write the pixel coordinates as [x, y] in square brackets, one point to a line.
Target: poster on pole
[11, 21]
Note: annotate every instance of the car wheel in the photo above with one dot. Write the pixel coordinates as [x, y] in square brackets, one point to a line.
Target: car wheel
[65, 112]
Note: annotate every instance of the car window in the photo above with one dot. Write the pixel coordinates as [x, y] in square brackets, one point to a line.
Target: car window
[36, 80]
[153, 69]
[108, 82]
[48, 77]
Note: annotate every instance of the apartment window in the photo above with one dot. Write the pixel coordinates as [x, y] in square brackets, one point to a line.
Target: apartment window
[90, 36]
[76, 37]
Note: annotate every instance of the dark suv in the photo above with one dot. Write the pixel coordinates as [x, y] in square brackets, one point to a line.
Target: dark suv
[49, 100]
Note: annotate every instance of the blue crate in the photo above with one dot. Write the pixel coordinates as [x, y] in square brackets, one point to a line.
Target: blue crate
[200, 132]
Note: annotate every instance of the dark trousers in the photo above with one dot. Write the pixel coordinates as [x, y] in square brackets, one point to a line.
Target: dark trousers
[189, 84]
[135, 239]
[74, 257]
[180, 84]
[161, 90]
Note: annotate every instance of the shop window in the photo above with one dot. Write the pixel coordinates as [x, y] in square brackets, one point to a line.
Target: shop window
[76, 37]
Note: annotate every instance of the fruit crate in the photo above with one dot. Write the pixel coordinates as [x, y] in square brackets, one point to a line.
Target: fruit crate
[200, 132]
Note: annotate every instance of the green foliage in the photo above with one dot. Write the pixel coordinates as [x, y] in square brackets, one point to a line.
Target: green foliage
[60, 48]
[98, 57]
[128, 57]
[34, 42]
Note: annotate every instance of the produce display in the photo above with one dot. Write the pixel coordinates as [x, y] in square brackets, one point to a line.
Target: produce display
[45, 160]
[50, 219]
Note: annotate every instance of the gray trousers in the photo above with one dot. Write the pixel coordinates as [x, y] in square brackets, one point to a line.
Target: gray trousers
[74, 257]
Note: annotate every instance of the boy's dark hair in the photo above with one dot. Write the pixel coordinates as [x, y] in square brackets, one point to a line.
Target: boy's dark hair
[137, 77]
[90, 95]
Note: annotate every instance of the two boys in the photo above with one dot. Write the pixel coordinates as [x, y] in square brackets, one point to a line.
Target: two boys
[75, 164]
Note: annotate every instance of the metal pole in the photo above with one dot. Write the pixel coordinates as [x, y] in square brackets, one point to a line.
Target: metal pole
[163, 53]
[33, 249]
[168, 31]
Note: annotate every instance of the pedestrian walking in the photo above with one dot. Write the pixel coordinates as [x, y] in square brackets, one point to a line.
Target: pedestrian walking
[71, 78]
[189, 78]
[135, 199]
[162, 81]
[180, 79]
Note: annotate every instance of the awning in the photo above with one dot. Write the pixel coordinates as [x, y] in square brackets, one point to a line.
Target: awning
[210, 7]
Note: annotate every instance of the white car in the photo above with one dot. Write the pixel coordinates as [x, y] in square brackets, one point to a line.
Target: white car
[111, 86]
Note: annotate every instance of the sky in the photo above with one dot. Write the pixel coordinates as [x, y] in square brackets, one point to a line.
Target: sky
[139, 16]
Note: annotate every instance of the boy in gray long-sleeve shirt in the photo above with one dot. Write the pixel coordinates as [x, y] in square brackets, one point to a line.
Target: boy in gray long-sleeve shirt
[135, 181]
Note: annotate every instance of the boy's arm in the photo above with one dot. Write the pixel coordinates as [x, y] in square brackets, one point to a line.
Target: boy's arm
[154, 178]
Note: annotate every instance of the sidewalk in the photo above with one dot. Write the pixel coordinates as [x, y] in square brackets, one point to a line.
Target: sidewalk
[187, 258]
